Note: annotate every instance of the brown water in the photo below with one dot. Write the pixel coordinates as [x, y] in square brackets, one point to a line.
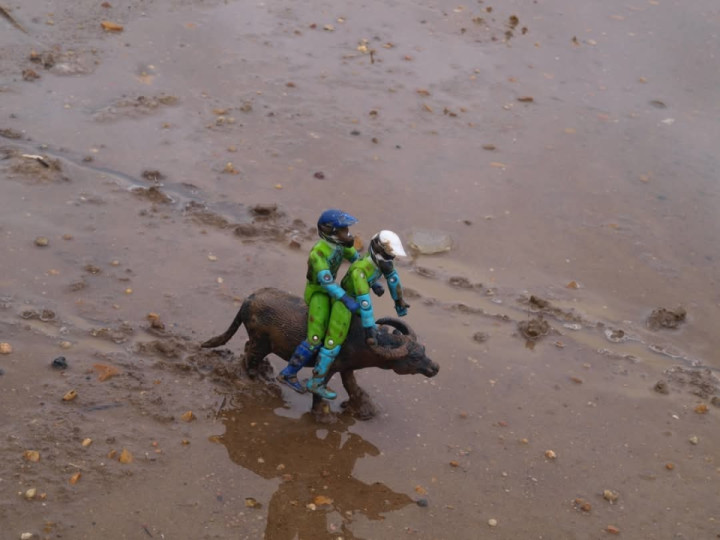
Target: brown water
[553, 141]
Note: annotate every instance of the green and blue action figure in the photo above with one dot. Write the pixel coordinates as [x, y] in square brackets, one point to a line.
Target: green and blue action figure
[321, 290]
[361, 277]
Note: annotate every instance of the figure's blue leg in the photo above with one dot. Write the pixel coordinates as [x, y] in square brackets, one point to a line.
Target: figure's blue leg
[303, 355]
[317, 383]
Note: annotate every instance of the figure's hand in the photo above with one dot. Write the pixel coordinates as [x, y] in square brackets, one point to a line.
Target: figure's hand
[378, 288]
[350, 303]
[401, 308]
[371, 335]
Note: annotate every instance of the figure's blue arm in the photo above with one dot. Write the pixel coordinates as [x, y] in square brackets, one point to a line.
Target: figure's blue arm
[327, 282]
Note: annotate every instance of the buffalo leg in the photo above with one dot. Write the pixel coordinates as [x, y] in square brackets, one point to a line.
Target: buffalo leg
[321, 411]
[256, 349]
[359, 405]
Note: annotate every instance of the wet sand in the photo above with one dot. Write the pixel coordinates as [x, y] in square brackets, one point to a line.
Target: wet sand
[570, 153]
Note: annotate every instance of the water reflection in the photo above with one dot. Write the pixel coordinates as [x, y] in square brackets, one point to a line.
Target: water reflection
[315, 467]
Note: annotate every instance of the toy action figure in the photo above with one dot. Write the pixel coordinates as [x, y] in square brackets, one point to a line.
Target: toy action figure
[321, 291]
[362, 276]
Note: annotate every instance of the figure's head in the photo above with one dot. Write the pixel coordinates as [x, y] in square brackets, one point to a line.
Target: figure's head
[384, 247]
[333, 226]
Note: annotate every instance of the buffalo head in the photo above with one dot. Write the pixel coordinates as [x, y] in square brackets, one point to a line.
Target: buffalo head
[404, 354]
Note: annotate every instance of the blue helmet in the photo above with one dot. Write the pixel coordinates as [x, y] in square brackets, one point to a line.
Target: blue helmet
[330, 224]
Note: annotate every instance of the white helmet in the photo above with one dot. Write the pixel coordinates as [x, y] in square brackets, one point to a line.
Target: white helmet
[385, 246]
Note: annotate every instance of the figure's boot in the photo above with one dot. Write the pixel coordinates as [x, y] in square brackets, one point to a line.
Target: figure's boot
[317, 383]
[303, 355]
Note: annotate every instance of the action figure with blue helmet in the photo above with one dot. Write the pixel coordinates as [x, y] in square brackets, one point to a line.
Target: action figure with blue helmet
[321, 291]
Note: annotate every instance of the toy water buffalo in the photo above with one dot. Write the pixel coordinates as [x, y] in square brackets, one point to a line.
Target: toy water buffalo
[276, 322]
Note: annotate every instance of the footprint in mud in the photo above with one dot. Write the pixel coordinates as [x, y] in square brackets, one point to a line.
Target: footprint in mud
[665, 318]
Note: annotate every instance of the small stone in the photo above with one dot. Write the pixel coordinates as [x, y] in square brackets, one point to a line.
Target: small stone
[701, 409]
[550, 454]
[187, 416]
[493, 522]
[694, 439]
[31, 455]
[70, 395]
[26, 536]
[5, 348]
[423, 503]
[612, 529]
[126, 456]
[30, 494]
[86, 442]
[59, 363]
[610, 496]
[582, 504]
[42, 241]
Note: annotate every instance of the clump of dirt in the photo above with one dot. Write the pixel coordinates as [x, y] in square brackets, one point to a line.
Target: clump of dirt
[34, 168]
[425, 272]
[153, 175]
[701, 382]
[222, 365]
[534, 329]
[200, 214]
[266, 211]
[153, 194]
[10, 133]
[116, 335]
[64, 63]
[461, 282]
[134, 107]
[665, 318]
[481, 337]
[44, 315]
[170, 347]
[537, 304]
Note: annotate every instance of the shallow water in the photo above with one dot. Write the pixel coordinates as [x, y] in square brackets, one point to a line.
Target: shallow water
[555, 143]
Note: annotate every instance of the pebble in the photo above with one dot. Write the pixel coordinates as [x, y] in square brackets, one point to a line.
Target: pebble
[694, 439]
[42, 241]
[5, 348]
[492, 522]
[610, 495]
[59, 363]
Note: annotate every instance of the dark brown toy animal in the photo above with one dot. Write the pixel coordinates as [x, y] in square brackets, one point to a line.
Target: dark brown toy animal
[276, 322]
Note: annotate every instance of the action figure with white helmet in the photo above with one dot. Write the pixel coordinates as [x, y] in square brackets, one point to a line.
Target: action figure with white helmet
[362, 276]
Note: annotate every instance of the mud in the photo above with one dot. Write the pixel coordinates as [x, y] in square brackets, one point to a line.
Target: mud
[559, 159]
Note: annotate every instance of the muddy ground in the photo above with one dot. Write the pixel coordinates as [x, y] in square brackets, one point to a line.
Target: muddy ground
[160, 160]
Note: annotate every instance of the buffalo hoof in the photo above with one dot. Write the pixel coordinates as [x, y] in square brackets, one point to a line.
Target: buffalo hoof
[323, 414]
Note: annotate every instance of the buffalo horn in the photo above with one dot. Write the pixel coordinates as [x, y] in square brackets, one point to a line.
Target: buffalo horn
[400, 325]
